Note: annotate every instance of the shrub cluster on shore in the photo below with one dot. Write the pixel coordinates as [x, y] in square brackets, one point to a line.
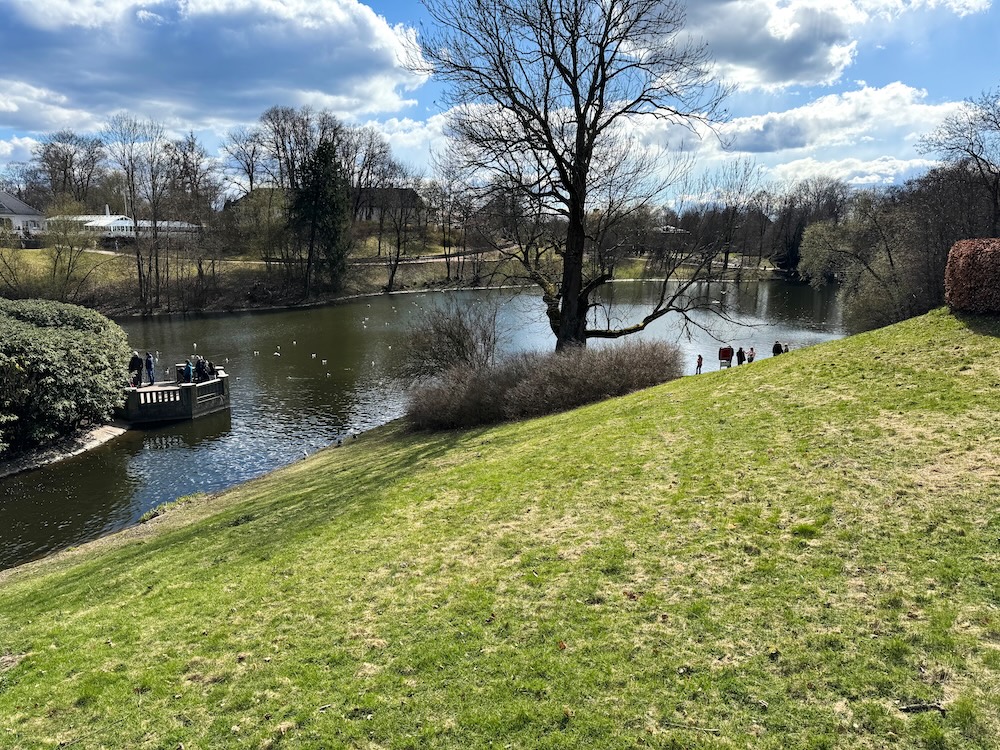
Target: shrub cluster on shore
[533, 384]
[61, 366]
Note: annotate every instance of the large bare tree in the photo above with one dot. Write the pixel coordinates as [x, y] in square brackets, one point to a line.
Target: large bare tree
[971, 137]
[70, 163]
[545, 96]
[244, 157]
[137, 149]
[365, 154]
[291, 137]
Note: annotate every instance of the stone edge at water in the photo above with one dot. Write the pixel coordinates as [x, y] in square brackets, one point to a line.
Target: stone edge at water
[74, 446]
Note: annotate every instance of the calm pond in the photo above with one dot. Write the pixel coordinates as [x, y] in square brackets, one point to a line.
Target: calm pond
[305, 378]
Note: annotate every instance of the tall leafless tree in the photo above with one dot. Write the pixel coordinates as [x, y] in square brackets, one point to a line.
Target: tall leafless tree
[364, 154]
[544, 94]
[971, 136]
[244, 150]
[291, 137]
[123, 136]
[401, 212]
[137, 149]
[194, 190]
[70, 163]
[449, 192]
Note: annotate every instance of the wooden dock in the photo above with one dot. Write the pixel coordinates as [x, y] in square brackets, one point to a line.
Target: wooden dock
[172, 402]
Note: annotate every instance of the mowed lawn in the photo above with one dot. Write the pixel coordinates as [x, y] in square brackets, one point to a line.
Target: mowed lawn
[798, 553]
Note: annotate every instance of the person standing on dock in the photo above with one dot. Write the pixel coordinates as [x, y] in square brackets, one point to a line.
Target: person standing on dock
[135, 370]
[150, 368]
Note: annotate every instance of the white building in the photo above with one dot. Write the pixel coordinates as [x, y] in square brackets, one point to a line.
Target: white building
[17, 216]
[110, 226]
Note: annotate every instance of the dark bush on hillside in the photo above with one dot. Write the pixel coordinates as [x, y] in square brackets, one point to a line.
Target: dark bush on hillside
[61, 366]
[531, 385]
[972, 277]
[583, 376]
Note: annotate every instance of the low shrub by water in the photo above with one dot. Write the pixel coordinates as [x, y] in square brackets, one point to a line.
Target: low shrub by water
[533, 384]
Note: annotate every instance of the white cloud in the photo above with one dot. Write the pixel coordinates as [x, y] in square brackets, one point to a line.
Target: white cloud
[414, 141]
[144, 16]
[201, 60]
[87, 14]
[884, 170]
[886, 115]
[864, 137]
[776, 44]
[16, 149]
[34, 108]
[769, 44]
[894, 8]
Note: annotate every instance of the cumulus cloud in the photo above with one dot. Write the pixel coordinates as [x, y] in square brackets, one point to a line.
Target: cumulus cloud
[85, 14]
[892, 8]
[883, 170]
[16, 149]
[763, 44]
[776, 44]
[412, 141]
[196, 61]
[26, 107]
[893, 113]
[865, 136]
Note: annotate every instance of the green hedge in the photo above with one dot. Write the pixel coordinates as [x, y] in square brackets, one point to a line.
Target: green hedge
[972, 277]
[61, 367]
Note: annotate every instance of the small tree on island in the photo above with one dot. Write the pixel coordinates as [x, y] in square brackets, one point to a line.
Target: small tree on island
[546, 95]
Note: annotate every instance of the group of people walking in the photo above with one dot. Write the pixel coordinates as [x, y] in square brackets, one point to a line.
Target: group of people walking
[726, 355]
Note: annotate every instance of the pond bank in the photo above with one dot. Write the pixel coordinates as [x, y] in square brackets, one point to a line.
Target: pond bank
[64, 449]
[337, 375]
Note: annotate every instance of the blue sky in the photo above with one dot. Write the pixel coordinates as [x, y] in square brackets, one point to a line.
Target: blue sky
[834, 87]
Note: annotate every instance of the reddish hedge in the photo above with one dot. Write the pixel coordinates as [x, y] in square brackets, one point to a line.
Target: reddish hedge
[972, 277]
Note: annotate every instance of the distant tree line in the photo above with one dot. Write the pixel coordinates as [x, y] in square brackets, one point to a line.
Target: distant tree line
[299, 190]
[303, 192]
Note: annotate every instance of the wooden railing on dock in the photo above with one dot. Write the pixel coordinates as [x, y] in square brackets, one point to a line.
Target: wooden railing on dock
[170, 402]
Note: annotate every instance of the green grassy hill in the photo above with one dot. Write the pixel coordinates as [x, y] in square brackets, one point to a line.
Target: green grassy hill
[799, 553]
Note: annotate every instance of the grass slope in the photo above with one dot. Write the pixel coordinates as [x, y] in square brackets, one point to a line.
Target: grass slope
[798, 553]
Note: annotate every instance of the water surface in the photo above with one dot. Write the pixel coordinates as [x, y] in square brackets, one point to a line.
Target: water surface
[303, 379]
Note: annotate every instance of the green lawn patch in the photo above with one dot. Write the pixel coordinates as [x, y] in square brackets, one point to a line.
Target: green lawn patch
[799, 553]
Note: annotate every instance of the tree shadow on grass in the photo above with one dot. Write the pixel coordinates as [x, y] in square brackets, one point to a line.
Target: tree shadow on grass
[984, 325]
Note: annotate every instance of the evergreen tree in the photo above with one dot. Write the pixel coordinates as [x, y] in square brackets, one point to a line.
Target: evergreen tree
[318, 215]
